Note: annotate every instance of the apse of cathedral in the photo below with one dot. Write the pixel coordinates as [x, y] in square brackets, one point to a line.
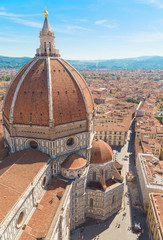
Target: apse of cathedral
[54, 175]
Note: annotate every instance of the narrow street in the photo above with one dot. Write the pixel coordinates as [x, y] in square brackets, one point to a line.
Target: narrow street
[108, 229]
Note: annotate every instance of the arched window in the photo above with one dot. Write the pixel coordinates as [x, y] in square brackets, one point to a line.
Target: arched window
[50, 47]
[91, 202]
[70, 142]
[94, 176]
[33, 144]
[44, 181]
[45, 47]
[20, 219]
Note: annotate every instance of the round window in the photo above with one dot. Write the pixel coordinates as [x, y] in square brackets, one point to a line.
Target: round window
[70, 142]
[44, 182]
[33, 144]
[20, 219]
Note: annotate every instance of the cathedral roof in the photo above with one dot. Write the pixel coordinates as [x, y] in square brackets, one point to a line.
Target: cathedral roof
[101, 152]
[47, 89]
[18, 171]
[43, 218]
[74, 161]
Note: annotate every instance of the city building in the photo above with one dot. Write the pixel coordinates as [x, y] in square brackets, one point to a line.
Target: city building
[114, 134]
[149, 171]
[55, 175]
[147, 145]
[155, 216]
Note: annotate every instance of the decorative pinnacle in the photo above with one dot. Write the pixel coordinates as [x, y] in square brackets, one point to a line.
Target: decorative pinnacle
[46, 12]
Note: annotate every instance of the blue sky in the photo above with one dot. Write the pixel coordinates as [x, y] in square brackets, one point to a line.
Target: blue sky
[85, 29]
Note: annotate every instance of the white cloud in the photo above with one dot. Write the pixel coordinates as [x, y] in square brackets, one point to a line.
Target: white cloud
[2, 8]
[6, 14]
[105, 23]
[157, 3]
[110, 26]
[19, 18]
[101, 21]
[83, 20]
[77, 27]
[26, 22]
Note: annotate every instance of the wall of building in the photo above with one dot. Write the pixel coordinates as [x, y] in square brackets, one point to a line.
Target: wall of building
[145, 185]
[26, 203]
[53, 148]
[94, 173]
[115, 138]
[153, 224]
[78, 201]
[102, 204]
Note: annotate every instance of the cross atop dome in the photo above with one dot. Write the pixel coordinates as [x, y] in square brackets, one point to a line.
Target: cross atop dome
[47, 46]
[46, 12]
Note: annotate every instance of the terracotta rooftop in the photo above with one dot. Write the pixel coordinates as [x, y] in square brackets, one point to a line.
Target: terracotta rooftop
[83, 85]
[26, 236]
[17, 175]
[101, 152]
[74, 161]
[32, 100]
[120, 127]
[153, 168]
[67, 100]
[110, 182]
[42, 218]
[9, 161]
[12, 88]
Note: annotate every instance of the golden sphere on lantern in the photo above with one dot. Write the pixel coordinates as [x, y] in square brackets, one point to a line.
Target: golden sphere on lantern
[45, 13]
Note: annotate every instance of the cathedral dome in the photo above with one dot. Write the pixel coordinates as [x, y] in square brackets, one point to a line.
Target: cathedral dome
[101, 152]
[47, 91]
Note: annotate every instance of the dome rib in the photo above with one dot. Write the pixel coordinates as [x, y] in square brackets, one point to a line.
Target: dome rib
[49, 90]
[11, 90]
[83, 84]
[68, 101]
[77, 82]
[18, 87]
[47, 93]
[32, 103]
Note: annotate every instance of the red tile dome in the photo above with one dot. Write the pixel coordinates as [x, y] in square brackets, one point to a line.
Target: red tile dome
[101, 152]
[47, 89]
[74, 161]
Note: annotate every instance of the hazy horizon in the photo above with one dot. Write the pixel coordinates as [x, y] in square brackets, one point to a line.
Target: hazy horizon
[85, 30]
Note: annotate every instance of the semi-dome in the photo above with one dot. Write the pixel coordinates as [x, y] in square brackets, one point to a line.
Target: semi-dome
[47, 91]
[101, 152]
[74, 161]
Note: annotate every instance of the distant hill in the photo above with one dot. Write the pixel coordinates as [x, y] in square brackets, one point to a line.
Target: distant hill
[155, 62]
[13, 62]
[145, 62]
